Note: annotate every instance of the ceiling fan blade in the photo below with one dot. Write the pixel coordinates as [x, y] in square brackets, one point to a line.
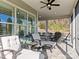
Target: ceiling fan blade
[55, 4]
[43, 6]
[52, 1]
[43, 2]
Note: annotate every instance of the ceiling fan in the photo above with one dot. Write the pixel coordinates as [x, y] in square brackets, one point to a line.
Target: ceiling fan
[48, 4]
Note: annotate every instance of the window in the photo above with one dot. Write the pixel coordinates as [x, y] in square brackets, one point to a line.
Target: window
[41, 26]
[9, 25]
[6, 19]
[31, 24]
[21, 23]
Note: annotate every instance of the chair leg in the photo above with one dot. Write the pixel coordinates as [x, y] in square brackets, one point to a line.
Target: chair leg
[55, 45]
[14, 55]
[50, 50]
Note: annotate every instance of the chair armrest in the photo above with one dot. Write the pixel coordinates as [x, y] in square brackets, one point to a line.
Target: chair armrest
[7, 50]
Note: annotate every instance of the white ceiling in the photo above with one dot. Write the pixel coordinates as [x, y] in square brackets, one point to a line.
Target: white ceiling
[64, 10]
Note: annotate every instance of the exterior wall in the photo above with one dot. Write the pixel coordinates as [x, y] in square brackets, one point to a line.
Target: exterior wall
[22, 5]
[77, 26]
[25, 7]
[17, 10]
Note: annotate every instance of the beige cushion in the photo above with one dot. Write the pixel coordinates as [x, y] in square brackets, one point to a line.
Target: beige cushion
[28, 54]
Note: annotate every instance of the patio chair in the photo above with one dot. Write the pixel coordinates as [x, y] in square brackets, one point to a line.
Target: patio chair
[11, 49]
[42, 43]
[57, 37]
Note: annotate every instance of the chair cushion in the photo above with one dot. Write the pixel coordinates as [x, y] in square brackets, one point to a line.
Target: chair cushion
[11, 42]
[15, 43]
[28, 54]
[47, 43]
[36, 36]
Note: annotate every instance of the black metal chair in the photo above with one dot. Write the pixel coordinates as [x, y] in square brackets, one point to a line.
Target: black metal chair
[56, 36]
[42, 43]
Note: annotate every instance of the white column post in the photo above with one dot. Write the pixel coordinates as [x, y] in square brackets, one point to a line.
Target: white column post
[13, 14]
[46, 29]
[15, 20]
[27, 22]
[74, 29]
[71, 29]
[46, 26]
[37, 22]
[71, 39]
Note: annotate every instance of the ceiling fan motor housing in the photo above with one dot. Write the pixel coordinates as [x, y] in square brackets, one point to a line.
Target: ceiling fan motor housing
[50, 8]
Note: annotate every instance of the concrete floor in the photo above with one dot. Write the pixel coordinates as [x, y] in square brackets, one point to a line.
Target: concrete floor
[62, 51]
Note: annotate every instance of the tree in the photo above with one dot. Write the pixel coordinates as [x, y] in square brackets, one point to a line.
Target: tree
[42, 25]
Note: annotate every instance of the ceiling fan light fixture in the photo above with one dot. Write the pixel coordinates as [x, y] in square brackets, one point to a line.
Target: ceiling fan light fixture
[48, 5]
